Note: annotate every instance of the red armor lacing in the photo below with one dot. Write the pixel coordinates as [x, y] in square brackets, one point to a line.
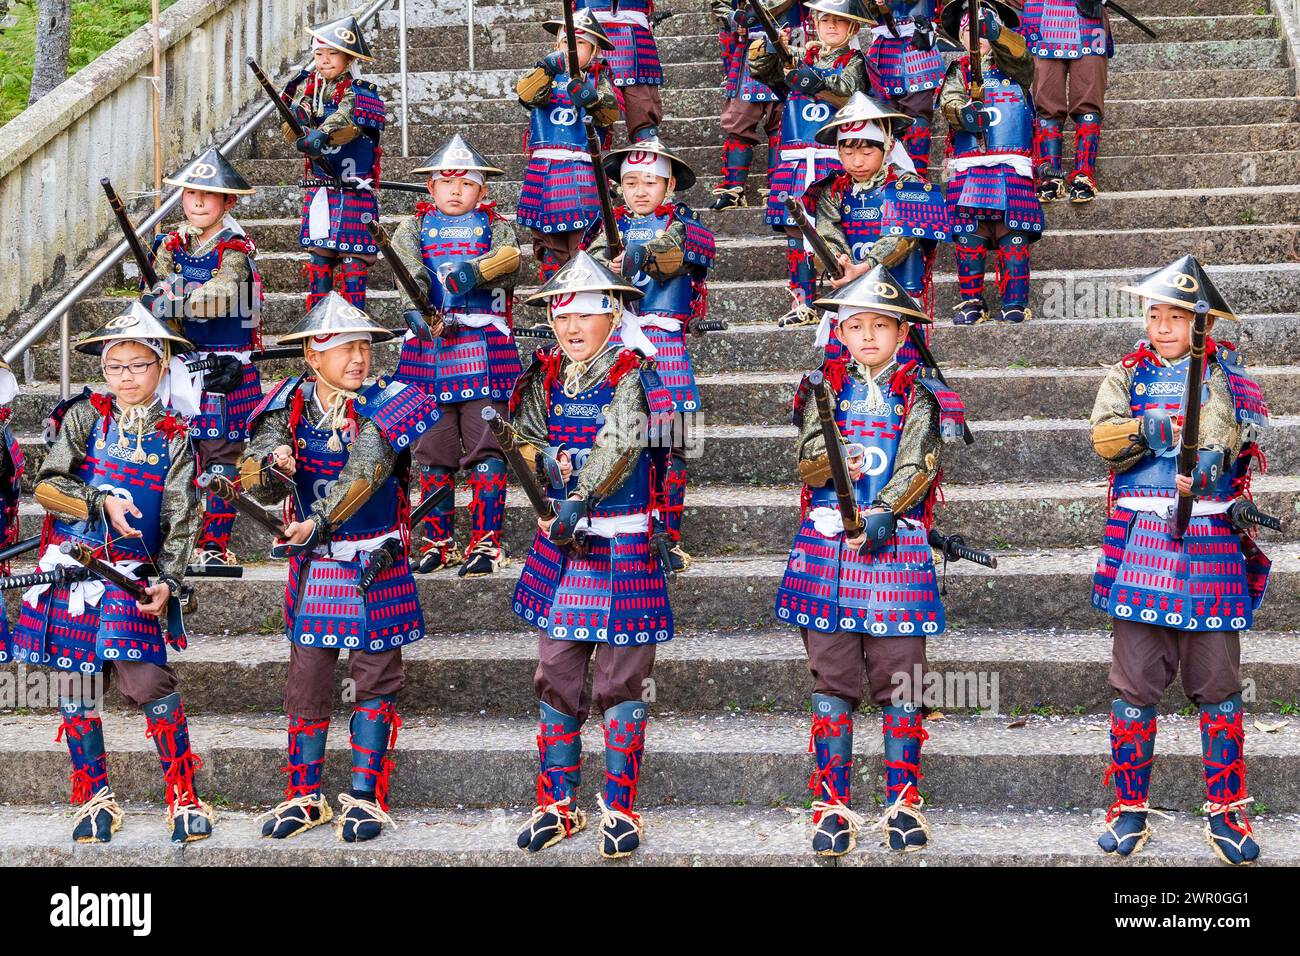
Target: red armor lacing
[297, 727]
[636, 743]
[387, 712]
[478, 487]
[1235, 731]
[915, 731]
[84, 785]
[545, 793]
[179, 768]
[1131, 733]
[822, 780]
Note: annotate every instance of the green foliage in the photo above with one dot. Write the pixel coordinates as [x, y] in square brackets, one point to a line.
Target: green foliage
[96, 26]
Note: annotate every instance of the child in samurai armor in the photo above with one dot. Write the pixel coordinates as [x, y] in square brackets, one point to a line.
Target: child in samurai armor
[343, 116]
[339, 449]
[591, 410]
[866, 604]
[1178, 601]
[991, 196]
[211, 289]
[465, 255]
[1072, 45]
[667, 255]
[905, 66]
[119, 479]
[11, 474]
[877, 211]
[749, 104]
[634, 61]
[820, 82]
[559, 191]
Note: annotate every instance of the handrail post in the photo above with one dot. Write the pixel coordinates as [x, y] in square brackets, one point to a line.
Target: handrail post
[470, 16]
[65, 356]
[401, 57]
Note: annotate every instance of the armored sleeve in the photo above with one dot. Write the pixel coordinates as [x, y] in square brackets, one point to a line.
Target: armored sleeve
[953, 95]
[269, 433]
[340, 124]
[605, 112]
[830, 226]
[219, 296]
[811, 464]
[890, 251]
[163, 261]
[598, 248]
[1013, 58]
[842, 85]
[667, 253]
[916, 463]
[1219, 425]
[621, 439]
[767, 68]
[534, 88]
[370, 462]
[180, 511]
[721, 9]
[499, 268]
[1114, 429]
[530, 418]
[57, 489]
[406, 242]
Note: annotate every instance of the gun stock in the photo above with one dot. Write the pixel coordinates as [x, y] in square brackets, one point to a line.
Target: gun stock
[1191, 445]
[509, 442]
[287, 115]
[78, 552]
[420, 329]
[848, 503]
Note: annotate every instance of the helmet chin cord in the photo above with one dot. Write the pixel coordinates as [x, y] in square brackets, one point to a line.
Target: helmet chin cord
[337, 412]
[577, 369]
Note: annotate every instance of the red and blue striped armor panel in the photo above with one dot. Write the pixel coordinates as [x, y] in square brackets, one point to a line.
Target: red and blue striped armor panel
[1055, 29]
[740, 80]
[635, 57]
[911, 210]
[114, 629]
[358, 159]
[897, 66]
[893, 591]
[224, 416]
[324, 608]
[678, 298]
[1213, 578]
[11, 467]
[997, 192]
[558, 195]
[615, 593]
[472, 363]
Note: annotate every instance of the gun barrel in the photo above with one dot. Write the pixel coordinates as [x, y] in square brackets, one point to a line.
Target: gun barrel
[138, 253]
[509, 442]
[286, 114]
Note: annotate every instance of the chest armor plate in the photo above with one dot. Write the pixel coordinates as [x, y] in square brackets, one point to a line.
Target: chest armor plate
[451, 240]
[575, 423]
[234, 331]
[624, 6]
[861, 217]
[347, 160]
[110, 467]
[803, 115]
[876, 428]
[671, 297]
[1011, 127]
[318, 468]
[559, 122]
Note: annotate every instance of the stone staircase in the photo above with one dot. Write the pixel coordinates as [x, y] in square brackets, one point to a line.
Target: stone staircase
[1197, 156]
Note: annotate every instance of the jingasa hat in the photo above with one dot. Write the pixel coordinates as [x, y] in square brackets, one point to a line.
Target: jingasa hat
[1182, 283]
[584, 21]
[334, 316]
[212, 173]
[877, 291]
[652, 156]
[136, 323]
[953, 13]
[848, 9]
[456, 154]
[584, 275]
[859, 115]
[344, 35]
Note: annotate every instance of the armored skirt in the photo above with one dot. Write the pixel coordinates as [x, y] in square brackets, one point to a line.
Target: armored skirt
[468, 365]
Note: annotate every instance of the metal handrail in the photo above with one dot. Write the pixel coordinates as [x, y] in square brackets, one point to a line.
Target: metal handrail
[59, 313]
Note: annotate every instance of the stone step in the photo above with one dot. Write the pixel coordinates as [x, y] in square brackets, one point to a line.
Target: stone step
[730, 520]
[1235, 98]
[497, 49]
[1015, 450]
[764, 256]
[430, 22]
[763, 398]
[1047, 587]
[714, 760]
[676, 836]
[1000, 671]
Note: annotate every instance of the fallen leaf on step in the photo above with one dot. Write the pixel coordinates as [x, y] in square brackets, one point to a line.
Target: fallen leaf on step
[1017, 723]
[1264, 728]
[936, 715]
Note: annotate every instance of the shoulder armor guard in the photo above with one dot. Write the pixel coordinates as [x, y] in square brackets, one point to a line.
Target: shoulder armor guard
[1247, 398]
[277, 398]
[657, 397]
[367, 108]
[401, 412]
[952, 411]
[55, 419]
[813, 193]
[698, 249]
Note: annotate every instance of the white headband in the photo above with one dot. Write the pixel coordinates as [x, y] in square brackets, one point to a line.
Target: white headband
[323, 343]
[582, 303]
[640, 161]
[473, 175]
[153, 345]
[8, 386]
[868, 130]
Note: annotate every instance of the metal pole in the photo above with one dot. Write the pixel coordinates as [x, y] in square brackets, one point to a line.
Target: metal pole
[157, 111]
[401, 58]
[65, 356]
[470, 13]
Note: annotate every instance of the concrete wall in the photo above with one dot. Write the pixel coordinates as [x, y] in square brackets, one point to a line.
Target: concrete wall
[99, 123]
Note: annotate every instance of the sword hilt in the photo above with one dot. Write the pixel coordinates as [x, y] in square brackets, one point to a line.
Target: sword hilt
[954, 548]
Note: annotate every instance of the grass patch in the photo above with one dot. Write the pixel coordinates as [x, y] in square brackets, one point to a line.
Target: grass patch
[96, 26]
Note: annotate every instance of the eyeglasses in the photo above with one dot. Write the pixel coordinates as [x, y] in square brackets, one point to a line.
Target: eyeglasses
[114, 370]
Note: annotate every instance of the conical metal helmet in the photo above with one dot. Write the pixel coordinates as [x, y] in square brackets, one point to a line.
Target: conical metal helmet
[582, 273]
[138, 323]
[584, 21]
[343, 34]
[849, 9]
[212, 173]
[860, 111]
[334, 315]
[642, 151]
[877, 291]
[456, 153]
[1183, 283]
